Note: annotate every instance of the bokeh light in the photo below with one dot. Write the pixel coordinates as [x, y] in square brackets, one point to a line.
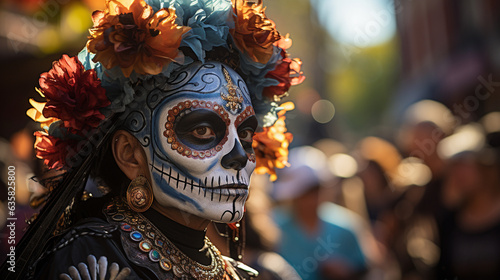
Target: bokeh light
[343, 165]
[323, 111]
[467, 138]
[412, 171]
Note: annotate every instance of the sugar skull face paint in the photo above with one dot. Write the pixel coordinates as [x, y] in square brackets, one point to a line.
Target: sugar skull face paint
[201, 124]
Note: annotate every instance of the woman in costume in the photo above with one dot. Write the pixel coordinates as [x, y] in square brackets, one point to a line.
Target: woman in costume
[167, 111]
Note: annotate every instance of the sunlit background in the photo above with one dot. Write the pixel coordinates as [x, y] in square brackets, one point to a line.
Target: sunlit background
[365, 61]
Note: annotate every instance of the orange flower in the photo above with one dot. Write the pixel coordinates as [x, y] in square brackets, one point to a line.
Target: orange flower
[254, 33]
[129, 34]
[271, 145]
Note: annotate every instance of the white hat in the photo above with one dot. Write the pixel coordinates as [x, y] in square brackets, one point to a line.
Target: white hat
[308, 169]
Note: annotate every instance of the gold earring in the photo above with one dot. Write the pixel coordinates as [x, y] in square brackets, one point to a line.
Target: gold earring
[139, 194]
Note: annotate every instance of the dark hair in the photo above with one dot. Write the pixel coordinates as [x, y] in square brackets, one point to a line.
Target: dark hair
[106, 170]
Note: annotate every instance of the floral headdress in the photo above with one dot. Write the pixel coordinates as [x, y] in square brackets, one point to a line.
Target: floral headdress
[134, 39]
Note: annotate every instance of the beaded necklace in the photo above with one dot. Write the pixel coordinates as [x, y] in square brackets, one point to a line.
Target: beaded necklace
[161, 250]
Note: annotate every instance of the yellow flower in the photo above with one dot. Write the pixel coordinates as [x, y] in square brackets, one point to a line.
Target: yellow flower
[254, 33]
[271, 145]
[36, 113]
[129, 34]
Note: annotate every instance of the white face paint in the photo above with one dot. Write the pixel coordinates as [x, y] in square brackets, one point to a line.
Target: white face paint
[200, 152]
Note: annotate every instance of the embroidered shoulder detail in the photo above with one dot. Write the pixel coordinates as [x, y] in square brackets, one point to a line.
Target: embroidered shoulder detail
[78, 235]
[94, 270]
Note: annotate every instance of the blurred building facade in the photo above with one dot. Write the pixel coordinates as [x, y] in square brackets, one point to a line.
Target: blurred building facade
[449, 53]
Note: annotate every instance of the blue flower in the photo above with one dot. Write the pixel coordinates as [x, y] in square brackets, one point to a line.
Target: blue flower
[255, 72]
[210, 21]
[118, 89]
[86, 59]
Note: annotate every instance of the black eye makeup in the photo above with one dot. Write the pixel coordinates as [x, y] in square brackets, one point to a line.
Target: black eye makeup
[200, 129]
[246, 135]
[246, 124]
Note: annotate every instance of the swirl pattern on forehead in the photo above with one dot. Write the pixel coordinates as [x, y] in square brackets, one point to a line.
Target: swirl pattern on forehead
[196, 78]
[136, 122]
[243, 87]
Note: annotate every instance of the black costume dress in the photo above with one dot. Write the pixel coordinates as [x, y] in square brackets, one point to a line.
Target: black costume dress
[117, 243]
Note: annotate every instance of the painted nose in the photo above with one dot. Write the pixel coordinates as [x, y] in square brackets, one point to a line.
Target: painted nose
[236, 159]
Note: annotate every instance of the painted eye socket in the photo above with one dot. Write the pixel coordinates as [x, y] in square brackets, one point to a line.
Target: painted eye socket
[246, 131]
[203, 132]
[200, 129]
[246, 135]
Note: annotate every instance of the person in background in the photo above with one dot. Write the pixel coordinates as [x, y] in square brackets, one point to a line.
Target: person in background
[425, 125]
[378, 161]
[318, 238]
[470, 234]
[419, 210]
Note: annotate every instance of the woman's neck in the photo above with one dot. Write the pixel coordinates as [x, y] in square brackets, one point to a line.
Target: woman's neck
[181, 217]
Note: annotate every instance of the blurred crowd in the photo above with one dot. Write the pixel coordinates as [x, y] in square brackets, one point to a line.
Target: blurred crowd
[422, 205]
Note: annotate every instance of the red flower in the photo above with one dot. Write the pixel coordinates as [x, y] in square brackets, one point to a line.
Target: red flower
[54, 151]
[73, 94]
[287, 73]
